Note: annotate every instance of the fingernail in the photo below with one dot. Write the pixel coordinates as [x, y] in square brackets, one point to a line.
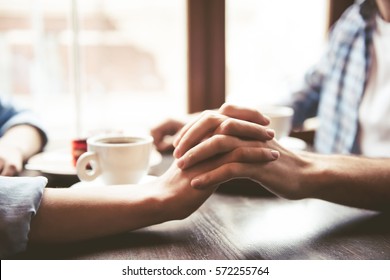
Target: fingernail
[270, 132]
[176, 153]
[275, 154]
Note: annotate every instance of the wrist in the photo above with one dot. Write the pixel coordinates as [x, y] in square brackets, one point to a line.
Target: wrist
[312, 175]
[175, 198]
[155, 200]
[162, 201]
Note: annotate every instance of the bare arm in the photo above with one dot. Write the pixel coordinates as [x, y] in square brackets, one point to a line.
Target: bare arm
[82, 213]
[17, 145]
[349, 180]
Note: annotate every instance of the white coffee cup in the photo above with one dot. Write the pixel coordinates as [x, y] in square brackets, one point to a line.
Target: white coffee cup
[281, 119]
[115, 159]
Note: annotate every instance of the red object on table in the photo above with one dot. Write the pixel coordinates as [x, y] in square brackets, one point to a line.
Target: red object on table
[79, 146]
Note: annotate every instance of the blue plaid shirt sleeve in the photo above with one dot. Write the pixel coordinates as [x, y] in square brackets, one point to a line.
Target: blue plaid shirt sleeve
[20, 198]
[306, 100]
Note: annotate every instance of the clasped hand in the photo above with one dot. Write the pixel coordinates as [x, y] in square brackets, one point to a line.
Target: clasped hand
[233, 142]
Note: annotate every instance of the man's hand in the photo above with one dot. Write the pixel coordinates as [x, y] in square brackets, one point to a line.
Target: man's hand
[229, 120]
[164, 133]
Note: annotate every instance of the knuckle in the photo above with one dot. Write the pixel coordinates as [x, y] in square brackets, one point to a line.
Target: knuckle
[239, 153]
[226, 107]
[227, 126]
[219, 141]
[231, 169]
[210, 117]
[208, 113]
[262, 154]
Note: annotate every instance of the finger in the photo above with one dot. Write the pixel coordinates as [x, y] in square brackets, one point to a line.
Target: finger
[165, 145]
[245, 129]
[1, 166]
[186, 127]
[196, 133]
[212, 146]
[9, 170]
[168, 127]
[243, 113]
[221, 175]
[234, 150]
[157, 137]
[250, 155]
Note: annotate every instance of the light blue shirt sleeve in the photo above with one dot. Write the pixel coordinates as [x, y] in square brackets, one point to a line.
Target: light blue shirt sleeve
[20, 198]
[11, 116]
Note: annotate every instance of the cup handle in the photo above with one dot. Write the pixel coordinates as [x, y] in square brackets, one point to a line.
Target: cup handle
[82, 172]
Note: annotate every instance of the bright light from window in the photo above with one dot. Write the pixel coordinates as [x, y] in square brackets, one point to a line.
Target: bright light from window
[133, 62]
[270, 44]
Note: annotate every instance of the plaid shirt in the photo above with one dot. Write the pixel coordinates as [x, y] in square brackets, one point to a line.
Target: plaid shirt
[334, 88]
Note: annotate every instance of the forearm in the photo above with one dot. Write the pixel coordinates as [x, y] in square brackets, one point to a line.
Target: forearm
[82, 213]
[24, 138]
[349, 180]
[72, 214]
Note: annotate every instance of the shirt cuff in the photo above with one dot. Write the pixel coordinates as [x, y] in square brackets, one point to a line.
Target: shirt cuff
[20, 198]
[28, 118]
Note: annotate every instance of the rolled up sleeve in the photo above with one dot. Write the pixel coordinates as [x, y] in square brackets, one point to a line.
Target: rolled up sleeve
[11, 116]
[20, 198]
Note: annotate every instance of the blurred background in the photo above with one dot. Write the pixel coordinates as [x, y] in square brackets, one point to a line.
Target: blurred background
[95, 65]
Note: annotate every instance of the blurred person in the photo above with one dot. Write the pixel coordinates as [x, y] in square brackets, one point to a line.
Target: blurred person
[234, 142]
[350, 180]
[21, 136]
[348, 92]
[31, 213]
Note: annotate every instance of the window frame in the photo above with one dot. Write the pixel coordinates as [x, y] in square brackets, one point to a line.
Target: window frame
[206, 54]
[206, 50]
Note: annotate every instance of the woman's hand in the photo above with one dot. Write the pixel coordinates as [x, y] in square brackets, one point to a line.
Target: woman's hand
[229, 120]
[233, 143]
[177, 199]
[71, 214]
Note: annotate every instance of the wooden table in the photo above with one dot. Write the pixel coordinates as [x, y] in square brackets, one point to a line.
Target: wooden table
[242, 221]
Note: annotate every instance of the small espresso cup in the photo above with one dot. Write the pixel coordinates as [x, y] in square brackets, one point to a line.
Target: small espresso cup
[115, 159]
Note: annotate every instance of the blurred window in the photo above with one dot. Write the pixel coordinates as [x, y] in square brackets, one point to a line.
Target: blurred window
[269, 46]
[132, 62]
[133, 58]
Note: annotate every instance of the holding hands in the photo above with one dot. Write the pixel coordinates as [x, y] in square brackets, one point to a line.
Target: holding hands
[235, 142]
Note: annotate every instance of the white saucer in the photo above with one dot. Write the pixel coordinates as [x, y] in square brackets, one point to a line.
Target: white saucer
[293, 143]
[59, 162]
[98, 182]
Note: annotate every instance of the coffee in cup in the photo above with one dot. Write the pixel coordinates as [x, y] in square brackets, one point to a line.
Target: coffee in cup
[115, 159]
